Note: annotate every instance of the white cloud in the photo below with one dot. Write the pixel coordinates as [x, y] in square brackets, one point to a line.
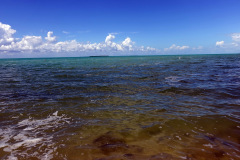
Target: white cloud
[29, 42]
[230, 47]
[235, 44]
[65, 32]
[6, 33]
[127, 42]
[26, 43]
[176, 48]
[49, 44]
[109, 39]
[219, 43]
[197, 48]
[236, 37]
[50, 38]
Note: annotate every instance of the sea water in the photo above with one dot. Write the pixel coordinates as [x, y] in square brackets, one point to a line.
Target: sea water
[142, 107]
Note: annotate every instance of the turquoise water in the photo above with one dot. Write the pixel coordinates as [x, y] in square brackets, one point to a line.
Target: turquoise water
[145, 107]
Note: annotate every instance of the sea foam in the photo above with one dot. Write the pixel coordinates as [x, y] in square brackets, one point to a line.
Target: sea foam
[19, 142]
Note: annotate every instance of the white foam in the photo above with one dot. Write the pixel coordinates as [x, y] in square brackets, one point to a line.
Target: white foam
[55, 113]
[19, 142]
[25, 141]
[208, 145]
[179, 138]
[28, 129]
[11, 157]
[173, 80]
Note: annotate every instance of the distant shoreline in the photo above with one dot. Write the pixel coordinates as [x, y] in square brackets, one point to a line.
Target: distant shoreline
[100, 56]
[3, 58]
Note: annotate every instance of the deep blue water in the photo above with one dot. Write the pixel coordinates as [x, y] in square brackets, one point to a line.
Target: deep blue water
[140, 107]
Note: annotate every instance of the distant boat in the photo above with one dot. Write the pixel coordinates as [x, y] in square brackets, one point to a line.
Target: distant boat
[100, 56]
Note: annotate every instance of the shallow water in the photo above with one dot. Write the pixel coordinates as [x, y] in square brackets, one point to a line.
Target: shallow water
[146, 107]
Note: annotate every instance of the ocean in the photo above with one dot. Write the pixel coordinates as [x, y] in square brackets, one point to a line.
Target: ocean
[109, 108]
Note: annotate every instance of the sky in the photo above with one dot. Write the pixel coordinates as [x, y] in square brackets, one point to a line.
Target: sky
[55, 28]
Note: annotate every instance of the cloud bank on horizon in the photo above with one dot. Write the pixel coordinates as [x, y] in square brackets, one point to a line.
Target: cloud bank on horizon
[49, 44]
[37, 46]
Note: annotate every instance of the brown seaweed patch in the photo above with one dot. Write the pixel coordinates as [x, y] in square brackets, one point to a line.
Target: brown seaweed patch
[108, 138]
[219, 154]
[149, 131]
[172, 90]
[135, 149]
[214, 154]
[109, 143]
[129, 156]
[109, 148]
[161, 110]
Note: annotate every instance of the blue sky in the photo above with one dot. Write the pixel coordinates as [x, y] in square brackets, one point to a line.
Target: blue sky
[153, 27]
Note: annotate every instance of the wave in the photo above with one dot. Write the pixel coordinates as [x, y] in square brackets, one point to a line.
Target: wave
[19, 140]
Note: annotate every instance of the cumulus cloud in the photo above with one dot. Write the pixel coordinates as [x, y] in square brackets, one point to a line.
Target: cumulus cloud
[37, 44]
[109, 39]
[50, 38]
[6, 33]
[127, 42]
[220, 43]
[232, 47]
[229, 47]
[176, 48]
